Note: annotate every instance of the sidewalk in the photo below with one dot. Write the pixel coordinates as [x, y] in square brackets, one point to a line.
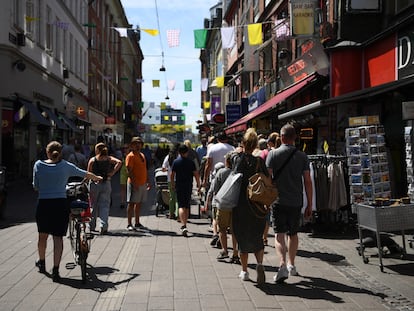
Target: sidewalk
[158, 269]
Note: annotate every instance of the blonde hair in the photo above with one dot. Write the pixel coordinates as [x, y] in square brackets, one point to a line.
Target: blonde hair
[101, 149]
[274, 138]
[54, 149]
[250, 140]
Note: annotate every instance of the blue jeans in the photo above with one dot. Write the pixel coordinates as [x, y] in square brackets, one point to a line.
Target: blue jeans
[100, 196]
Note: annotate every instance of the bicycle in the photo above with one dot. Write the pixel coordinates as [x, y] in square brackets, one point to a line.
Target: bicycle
[80, 234]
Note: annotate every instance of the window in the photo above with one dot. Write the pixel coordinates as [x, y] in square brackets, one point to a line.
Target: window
[17, 14]
[30, 18]
[49, 29]
[366, 6]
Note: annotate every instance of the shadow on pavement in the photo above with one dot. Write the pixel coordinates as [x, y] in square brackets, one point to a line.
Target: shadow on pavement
[315, 289]
[327, 257]
[94, 283]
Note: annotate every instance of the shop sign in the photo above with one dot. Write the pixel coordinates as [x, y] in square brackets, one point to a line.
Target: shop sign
[313, 59]
[218, 118]
[233, 113]
[256, 99]
[303, 17]
[363, 120]
[110, 120]
[405, 47]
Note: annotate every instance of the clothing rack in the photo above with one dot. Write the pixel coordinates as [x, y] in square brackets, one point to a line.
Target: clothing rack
[331, 207]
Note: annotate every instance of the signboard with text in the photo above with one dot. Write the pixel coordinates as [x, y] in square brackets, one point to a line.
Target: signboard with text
[233, 113]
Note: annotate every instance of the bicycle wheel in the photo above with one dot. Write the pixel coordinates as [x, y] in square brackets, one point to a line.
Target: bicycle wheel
[83, 252]
[73, 239]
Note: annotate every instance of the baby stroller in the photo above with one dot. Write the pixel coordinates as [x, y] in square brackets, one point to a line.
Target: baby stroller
[163, 194]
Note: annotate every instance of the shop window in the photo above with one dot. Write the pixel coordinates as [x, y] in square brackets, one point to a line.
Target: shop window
[363, 6]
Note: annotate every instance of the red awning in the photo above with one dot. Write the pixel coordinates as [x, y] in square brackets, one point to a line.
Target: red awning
[241, 125]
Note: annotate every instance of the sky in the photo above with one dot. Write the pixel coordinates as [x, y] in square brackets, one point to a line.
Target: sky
[181, 63]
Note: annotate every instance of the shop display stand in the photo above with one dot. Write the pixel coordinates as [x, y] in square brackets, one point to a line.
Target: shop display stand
[409, 161]
[368, 164]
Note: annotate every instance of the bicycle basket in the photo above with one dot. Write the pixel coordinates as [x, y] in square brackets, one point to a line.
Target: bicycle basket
[77, 190]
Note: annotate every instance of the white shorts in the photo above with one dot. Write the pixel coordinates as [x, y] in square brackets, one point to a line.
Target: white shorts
[137, 194]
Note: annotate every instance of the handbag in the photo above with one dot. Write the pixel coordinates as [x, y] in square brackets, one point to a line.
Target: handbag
[228, 195]
[262, 192]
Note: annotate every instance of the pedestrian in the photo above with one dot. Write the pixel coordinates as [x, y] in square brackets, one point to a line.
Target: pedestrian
[192, 154]
[183, 171]
[50, 177]
[215, 153]
[104, 165]
[138, 182]
[148, 156]
[166, 167]
[248, 228]
[202, 149]
[123, 176]
[78, 158]
[69, 148]
[287, 208]
[223, 214]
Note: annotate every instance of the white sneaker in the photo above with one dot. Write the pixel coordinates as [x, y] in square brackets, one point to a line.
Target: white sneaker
[281, 275]
[292, 270]
[244, 275]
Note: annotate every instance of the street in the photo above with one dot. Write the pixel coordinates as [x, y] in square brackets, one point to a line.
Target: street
[158, 269]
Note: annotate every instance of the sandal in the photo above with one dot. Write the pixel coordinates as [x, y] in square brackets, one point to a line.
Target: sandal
[222, 255]
[235, 260]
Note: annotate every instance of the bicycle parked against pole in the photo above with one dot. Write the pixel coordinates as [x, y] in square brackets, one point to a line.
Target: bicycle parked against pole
[80, 234]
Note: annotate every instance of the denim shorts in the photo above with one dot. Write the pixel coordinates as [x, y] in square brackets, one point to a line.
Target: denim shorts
[286, 219]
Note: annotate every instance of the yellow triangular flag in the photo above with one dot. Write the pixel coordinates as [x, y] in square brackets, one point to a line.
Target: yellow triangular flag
[163, 106]
[220, 81]
[155, 83]
[152, 32]
[325, 147]
[118, 103]
[255, 34]
[206, 105]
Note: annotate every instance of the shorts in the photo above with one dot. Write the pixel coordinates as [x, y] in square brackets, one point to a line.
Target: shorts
[286, 219]
[184, 197]
[52, 216]
[136, 194]
[223, 218]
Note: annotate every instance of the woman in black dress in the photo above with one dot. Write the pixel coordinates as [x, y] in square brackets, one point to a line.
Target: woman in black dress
[247, 227]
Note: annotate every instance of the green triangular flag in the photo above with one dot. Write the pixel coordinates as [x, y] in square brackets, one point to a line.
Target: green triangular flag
[141, 104]
[187, 86]
[200, 38]
[185, 104]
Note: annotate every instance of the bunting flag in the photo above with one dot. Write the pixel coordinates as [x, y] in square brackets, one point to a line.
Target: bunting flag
[155, 83]
[174, 118]
[165, 118]
[171, 85]
[157, 118]
[227, 37]
[152, 32]
[255, 34]
[204, 84]
[185, 104]
[325, 147]
[89, 25]
[282, 29]
[152, 104]
[206, 105]
[123, 32]
[220, 82]
[200, 38]
[173, 37]
[31, 19]
[140, 80]
[129, 103]
[237, 81]
[118, 103]
[141, 105]
[163, 106]
[187, 85]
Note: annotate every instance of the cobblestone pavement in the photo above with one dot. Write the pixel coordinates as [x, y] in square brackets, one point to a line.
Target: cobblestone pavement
[158, 269]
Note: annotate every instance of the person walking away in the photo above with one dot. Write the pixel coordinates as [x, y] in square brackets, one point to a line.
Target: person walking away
[192, 154]
[223, 214]
[287, 208]
[78, 158]
[69, 148]
[248, 228]
[148, 156]
[138, 182]
[215, 154]
[104, 165]
[166, 167]
[50, 177]
[123, 177]
[182, 172]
